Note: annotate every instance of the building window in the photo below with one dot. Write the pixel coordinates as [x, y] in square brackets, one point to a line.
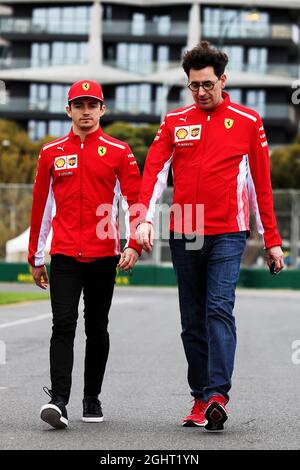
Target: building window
[59, 128]
[138, 26]
[235, 95]
[235, 56]
[37, 129]
[225, 23]
[107, 12]
[38, 97]
[68, 53]
[256, 99]
[40, 54]
[39, 17]
[159, 97]
[49, 98]
[135, 57]
[62, 19]
[133, 99]
[58, 98]
[162, 57]
[257, 59]
[58, 53]
[163, 24]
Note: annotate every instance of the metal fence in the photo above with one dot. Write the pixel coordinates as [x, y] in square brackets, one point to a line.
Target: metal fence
[15, 206]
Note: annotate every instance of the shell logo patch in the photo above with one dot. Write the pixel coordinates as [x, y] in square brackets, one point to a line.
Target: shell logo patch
[59, 163]
[188, 132]
[228, 123]
[181, 133]
[85, 86]
[65, 162]
[102, 151]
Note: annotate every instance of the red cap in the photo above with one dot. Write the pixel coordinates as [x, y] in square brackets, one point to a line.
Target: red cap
[85, 88]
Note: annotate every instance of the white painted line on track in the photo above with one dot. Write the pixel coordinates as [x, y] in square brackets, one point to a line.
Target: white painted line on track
[25, 320]
[49, 315]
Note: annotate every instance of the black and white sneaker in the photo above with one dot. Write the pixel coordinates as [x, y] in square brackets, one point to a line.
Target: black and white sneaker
[55, 412]
[92, 411]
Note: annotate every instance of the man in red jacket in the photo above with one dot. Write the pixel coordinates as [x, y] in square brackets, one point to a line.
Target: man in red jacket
[79, 180]
[220, 160]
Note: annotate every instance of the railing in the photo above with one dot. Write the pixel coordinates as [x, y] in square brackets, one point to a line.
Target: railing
[279, 70]
[148, 28]
[274, 111]
[26, 26]
[16, 62]
[113, 106]
[110, 28]
[250, 30]
[147, 67]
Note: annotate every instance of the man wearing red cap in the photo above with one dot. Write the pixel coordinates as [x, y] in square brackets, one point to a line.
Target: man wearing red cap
[79, 180]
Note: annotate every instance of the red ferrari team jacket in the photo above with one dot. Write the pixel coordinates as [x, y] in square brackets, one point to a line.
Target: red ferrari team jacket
[220, 162]
[77, 189]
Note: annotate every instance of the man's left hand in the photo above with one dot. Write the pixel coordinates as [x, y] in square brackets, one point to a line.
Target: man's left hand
[128, 259]
[275, 255]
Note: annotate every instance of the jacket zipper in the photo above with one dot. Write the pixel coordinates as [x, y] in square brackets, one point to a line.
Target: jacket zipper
[204, 130]
[80, 205]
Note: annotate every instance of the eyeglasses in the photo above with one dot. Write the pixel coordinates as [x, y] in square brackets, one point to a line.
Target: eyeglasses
[207, 85]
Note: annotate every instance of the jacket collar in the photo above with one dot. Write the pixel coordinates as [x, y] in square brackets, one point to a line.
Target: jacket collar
[221, 107]
[88, 138]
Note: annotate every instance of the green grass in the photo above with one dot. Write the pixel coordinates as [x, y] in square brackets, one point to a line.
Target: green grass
[14, 297]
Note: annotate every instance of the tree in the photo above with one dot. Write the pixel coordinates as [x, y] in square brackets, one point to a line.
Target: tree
[285, 166]
[18, 159]
[139, 138]
[18, 154]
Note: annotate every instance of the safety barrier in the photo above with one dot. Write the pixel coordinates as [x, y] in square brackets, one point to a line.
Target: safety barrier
[151, 275]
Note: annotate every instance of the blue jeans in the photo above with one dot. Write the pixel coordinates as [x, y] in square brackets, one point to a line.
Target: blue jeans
[207, 279]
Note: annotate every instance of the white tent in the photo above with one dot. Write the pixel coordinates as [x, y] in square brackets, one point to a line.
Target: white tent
[17, 248]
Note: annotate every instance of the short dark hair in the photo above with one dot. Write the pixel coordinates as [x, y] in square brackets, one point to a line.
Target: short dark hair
[205, 55]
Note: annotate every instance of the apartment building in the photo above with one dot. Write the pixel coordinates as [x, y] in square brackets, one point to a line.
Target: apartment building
[134, 48]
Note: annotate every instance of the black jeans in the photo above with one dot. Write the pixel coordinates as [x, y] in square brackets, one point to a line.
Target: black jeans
[68, 278]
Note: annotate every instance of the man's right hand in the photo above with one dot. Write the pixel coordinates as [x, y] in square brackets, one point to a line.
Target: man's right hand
[40, 276]
[144, 236]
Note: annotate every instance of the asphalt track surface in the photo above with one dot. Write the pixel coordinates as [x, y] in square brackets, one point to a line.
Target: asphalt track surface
[145, 392]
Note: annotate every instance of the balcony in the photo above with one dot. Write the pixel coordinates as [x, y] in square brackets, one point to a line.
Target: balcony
[19, 63]
[9, 25]
[146, 68]
[147, 28]
[279, 70]
[28, 26]
[153, 108]
[251, 31]
[110, 28]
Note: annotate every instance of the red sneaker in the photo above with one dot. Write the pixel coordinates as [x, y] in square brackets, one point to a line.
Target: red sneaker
[216, 413]
[196, 418]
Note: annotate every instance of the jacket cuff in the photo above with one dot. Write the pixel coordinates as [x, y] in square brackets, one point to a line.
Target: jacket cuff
[133, 244]
[272, 239]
